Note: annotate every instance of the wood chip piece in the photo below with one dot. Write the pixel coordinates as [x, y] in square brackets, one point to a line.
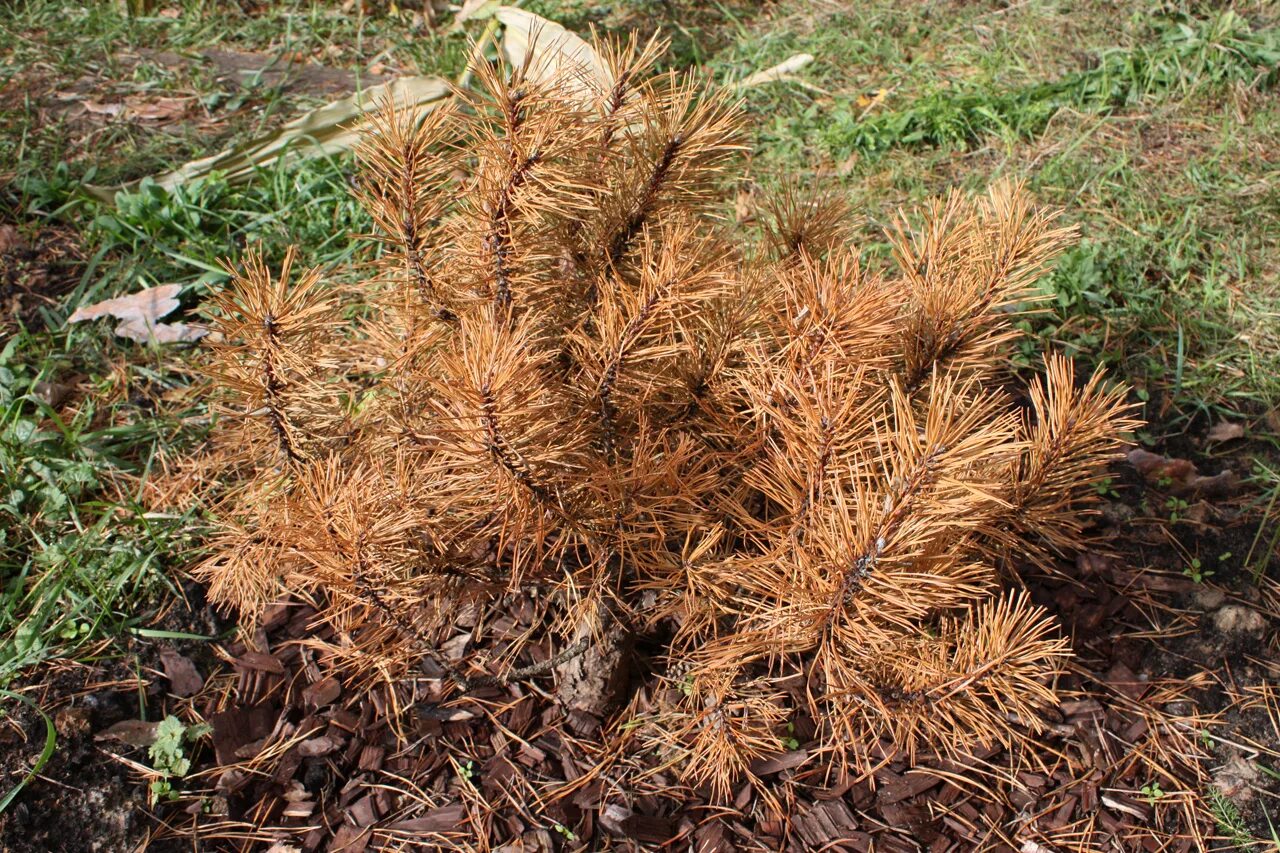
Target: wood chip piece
[260, 662]
[236, 727]
[438, 820]
[371, 758]
[317, 746]
[323, 692]
[778, 763]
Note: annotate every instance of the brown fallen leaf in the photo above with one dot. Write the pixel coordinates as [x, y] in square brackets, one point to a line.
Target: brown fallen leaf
[1238, 778]
[1153, 466]
[157, 109]
[1179, 476]
[10, 239]
[778, 763]
[1226, 431]
[101, 109]
[131, 732]
[322, 132]
[151, 303]
[184, 678]
[159, 333]
[140, 313]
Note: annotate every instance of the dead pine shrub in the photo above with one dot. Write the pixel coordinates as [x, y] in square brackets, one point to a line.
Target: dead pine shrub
[570, 375]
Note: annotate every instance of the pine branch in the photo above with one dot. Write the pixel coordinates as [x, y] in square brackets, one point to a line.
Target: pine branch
[779, 465]
[643, 207]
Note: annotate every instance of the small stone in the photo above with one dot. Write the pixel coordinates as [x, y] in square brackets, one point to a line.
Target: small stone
[1210, 598]
[317, 746]
[53, 394]
[1116, 513]
[1234, 620]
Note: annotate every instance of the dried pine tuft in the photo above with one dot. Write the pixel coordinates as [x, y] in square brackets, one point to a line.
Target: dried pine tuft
[571, 373]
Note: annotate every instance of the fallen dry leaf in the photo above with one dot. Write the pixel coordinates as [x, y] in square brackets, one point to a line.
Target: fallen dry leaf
[131, 732]
[1226, 431]
[184, 678]
[151, 303]
[784, 70]
[1154, 467]
[10, 239]
[553, 53]
[1180, 477]
[322, 132]
[1237, 778]
[157, 109]
[99, 108]
[159, 333]
[140, 314]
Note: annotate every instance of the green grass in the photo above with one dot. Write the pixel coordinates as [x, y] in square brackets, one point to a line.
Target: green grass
[1152, 127]
[80, 562]
[1180, 55]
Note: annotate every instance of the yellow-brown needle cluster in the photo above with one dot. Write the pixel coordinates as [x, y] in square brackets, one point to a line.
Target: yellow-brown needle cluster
[570, 373]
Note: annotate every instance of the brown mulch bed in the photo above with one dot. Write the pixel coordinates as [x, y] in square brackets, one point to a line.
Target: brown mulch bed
[1172, 695]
